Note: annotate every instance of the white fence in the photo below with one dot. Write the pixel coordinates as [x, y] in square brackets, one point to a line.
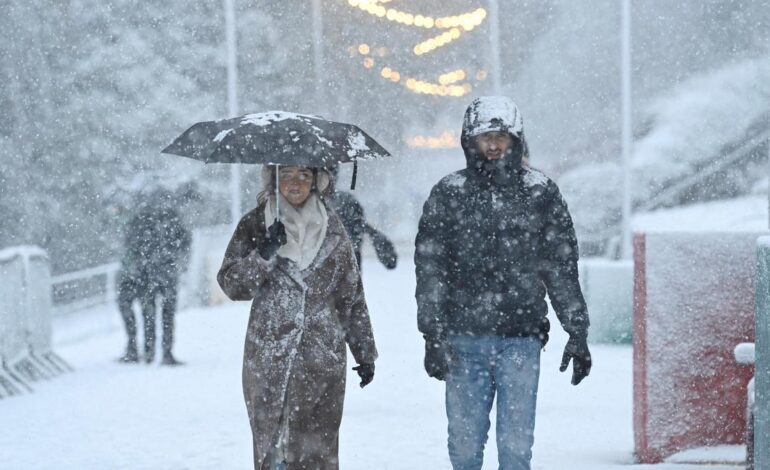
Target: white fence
[94, 286]
[26, 355]
[30, 297]
[85, 288]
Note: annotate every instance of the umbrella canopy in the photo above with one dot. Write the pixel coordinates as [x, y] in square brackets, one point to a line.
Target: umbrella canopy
[276, 138]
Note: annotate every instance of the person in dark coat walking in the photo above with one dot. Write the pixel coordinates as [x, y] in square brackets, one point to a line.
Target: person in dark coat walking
[493, 239]
[156, 251]
[351, 214]
[307, 304]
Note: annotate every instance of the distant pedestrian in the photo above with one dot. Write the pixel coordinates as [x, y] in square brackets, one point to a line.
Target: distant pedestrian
[493, 239]
[156, 251]
[351, 213]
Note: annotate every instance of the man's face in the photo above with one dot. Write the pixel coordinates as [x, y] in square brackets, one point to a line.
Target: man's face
[494, 145]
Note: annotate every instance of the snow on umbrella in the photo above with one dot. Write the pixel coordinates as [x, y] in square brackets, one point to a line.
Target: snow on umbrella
[276, 138]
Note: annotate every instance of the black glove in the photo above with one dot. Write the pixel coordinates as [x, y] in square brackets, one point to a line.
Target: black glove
[436, 357]
[577, 350]
[274, 240]
[366, 372]
[384, 249]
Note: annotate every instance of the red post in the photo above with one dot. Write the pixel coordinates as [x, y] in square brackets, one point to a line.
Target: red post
[693, 302]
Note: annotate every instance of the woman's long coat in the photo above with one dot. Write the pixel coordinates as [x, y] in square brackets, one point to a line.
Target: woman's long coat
[295, 342]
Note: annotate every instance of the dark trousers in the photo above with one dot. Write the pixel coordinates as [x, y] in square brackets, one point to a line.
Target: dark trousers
[148, 292]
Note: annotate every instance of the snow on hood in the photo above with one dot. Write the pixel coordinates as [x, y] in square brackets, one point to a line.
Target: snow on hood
[493, 113]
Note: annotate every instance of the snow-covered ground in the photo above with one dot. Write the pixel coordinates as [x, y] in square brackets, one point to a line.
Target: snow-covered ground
[109, 415]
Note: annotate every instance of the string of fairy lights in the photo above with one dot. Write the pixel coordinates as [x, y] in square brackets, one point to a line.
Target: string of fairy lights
[454, 83]
[445, 140]
[453, 27]
[456, 24]
[446, 85]
[467, 21]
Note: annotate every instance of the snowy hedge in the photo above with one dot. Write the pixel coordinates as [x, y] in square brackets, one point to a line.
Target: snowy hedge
[691, 126]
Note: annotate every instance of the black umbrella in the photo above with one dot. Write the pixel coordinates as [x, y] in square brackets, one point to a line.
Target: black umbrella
[277, 138]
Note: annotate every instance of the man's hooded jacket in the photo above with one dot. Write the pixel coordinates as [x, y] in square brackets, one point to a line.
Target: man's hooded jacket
[493, 239]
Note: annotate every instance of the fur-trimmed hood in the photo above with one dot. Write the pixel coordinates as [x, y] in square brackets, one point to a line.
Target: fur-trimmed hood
[323, 185]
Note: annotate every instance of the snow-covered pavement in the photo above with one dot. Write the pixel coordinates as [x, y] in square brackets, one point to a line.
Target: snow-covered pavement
[109, 415]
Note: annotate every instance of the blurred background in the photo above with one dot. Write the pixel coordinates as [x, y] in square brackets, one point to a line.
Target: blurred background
[90, 91]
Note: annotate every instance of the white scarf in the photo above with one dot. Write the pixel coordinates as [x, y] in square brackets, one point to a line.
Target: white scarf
[305, 228]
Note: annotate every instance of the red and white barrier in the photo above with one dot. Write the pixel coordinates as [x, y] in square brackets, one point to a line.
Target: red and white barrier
[693, 302]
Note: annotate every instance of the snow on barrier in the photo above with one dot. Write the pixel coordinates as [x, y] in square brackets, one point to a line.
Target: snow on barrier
[693, 302]
[39, 333]
[762, 358]
[608, 290]
[12, 346]
[744, 354]
[25, 320]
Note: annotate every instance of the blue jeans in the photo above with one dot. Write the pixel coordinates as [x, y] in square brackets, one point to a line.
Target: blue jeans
[481, 367]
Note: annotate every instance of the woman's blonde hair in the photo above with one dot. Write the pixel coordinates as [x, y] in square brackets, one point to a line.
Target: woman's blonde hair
[323, 183]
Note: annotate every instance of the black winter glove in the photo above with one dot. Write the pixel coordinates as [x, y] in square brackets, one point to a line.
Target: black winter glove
[366, 372]
[274, 240]
[436, 358]
[384, 249]
[577, 350]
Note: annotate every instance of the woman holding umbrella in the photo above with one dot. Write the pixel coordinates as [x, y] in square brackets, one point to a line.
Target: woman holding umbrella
[308, 301]
[292, 258]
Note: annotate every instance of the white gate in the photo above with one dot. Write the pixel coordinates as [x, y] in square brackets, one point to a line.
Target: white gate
[25, 320]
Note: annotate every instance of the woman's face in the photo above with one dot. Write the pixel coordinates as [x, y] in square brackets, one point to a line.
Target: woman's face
[295, 183]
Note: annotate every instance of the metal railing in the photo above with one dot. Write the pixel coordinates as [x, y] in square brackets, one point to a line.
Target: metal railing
[670, 195]
[85, 288]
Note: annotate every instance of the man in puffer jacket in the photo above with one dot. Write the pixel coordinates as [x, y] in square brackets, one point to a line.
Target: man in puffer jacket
[493, 239]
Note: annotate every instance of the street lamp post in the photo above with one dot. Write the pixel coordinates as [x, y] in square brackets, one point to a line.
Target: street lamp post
[626, 135]
[494, 43]
[232, 104]
[318, 55]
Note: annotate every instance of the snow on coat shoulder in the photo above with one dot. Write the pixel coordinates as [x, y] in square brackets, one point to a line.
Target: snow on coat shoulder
[532, 178]
[454, 180]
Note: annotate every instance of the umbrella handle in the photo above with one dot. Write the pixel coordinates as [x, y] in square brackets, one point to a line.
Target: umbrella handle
[277, 193]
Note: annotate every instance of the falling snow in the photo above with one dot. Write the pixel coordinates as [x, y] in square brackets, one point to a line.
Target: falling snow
[91, 91]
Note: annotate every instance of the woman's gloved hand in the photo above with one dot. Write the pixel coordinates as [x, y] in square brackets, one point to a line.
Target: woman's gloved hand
[274, 240]
[366, 372]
